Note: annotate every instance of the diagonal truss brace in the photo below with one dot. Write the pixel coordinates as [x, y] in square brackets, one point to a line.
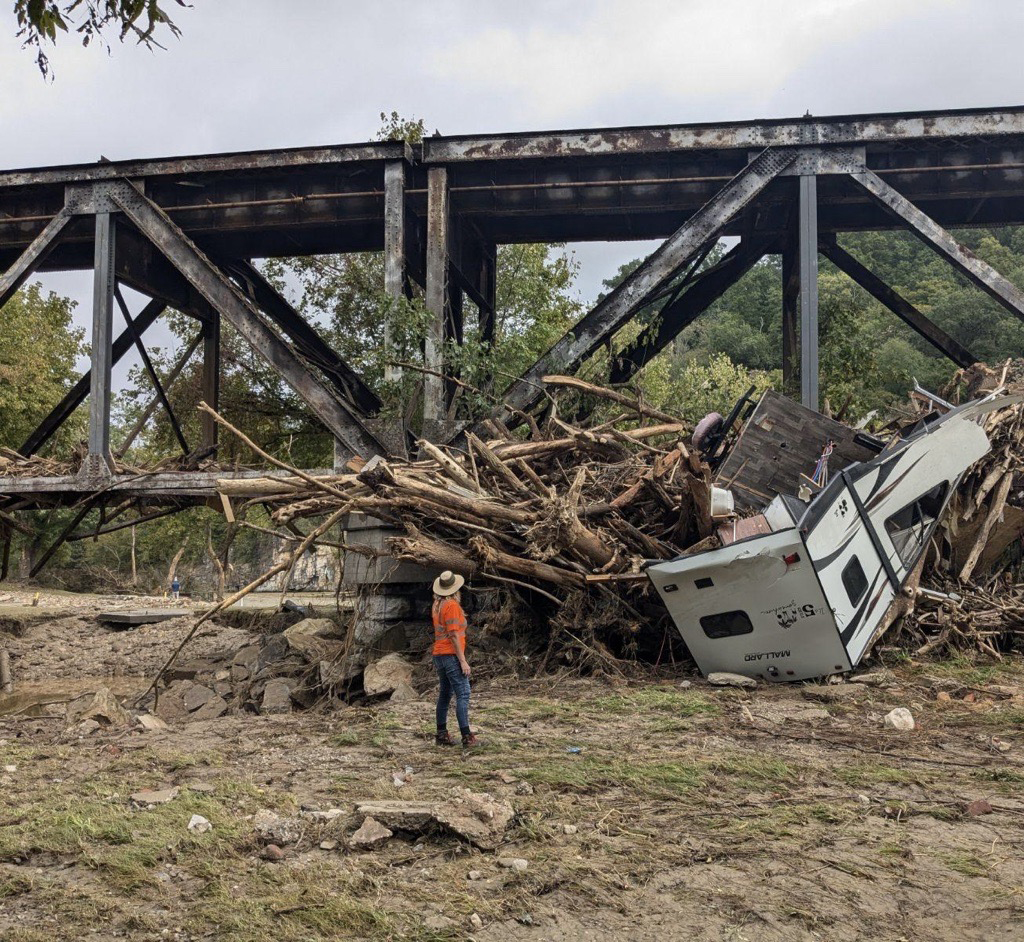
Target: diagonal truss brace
[613, 311]
[151, 370]
[224, 296]
[682, 311]
[896, 303]
[31, 258]
[76, 395]
[932, 234]
[305, 338]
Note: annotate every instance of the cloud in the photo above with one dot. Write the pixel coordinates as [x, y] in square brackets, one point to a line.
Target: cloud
[683, 53]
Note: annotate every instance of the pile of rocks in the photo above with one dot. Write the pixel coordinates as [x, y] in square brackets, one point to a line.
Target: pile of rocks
[277, 673]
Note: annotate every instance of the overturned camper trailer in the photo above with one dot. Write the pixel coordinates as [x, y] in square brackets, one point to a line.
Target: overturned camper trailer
[809, 592]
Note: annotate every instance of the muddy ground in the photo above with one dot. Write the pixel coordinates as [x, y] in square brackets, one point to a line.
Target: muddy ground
[655, 808]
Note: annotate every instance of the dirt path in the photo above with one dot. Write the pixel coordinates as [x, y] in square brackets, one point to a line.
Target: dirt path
[647, 811]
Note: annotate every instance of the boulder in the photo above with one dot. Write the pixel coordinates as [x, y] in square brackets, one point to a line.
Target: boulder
[370, 834]
[101, 707]
[171, 705]
[476, 817]
[151, 723]
[277, 697]
[307, 635]
[404, 692]
[387, 674]
[725, 679]
[901, 718]
[276, 828]
[243, 665]
[196, 696]
[214, 707]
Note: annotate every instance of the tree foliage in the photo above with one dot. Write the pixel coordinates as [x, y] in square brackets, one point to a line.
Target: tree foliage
[38, 349]
[40, 22]
[866, 353]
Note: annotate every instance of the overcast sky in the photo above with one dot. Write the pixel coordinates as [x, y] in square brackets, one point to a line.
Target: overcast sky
[249, 74]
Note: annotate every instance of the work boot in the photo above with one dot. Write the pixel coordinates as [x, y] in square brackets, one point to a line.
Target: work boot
[444, 738]
[469, 740]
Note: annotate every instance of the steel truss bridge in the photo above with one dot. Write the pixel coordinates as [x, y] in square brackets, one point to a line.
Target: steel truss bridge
[184, 231]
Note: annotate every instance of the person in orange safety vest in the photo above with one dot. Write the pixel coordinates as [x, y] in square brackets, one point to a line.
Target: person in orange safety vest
[450, 662]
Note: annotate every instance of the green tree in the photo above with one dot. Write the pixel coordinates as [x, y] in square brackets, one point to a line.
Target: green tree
[39, 346]
[40, 22]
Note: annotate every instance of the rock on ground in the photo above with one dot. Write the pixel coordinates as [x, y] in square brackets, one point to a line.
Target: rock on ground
[404, 692]
[900, 718]
[277, 697]
[101, 707]
[151, 723]
[387, 674]
[149, 796]
[276, 828]
[725, 679]
[834, 693]
[476, 817]
[370, 833]
[306, 636]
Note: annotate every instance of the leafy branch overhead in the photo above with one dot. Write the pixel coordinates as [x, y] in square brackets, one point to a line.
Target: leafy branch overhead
[40, 22]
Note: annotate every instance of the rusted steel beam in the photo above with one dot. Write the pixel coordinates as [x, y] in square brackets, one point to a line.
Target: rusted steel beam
[76, 395]
[896, 303]
[808, 234]
[30, 259]
[438, 301]
[678, 313]
[165, 484]
[615, 309]
[158, 387]
[124, 524]
[179, 365]
[240, 162]
[791, 316]
[394, 252]
[839, 129]
[210, 335]
[61, 537]
[932, 234]
[225, 297]
[303, 335]
[98, 463]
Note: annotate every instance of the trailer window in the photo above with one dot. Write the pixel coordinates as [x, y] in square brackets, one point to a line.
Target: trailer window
[726, 625]
[854, 580]
[908, 528]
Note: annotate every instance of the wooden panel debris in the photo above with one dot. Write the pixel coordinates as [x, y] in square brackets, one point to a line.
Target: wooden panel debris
[779, 442]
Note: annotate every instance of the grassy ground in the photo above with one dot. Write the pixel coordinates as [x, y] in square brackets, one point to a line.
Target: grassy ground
[692, 813]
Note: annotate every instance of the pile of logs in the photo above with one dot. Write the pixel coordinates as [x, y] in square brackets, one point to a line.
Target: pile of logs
[15, 464]
[976, 555]
[538, 514]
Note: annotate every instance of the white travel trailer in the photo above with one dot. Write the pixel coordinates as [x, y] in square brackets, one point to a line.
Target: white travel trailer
[808, 593]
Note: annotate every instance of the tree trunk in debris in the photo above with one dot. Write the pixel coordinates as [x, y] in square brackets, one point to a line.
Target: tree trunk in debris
[217, 565]
[135, 569]
[174, 565]
[6, 684]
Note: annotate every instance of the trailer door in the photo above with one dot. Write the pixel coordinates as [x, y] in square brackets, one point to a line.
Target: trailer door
[754, 608]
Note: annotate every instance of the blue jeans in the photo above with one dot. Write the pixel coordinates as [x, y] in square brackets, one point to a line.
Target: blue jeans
[452, 680]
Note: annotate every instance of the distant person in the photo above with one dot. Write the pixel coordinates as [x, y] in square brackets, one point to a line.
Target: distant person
[450, 658]
[175, 588]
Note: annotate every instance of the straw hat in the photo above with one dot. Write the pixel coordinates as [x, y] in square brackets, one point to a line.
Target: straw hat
[448, 583]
